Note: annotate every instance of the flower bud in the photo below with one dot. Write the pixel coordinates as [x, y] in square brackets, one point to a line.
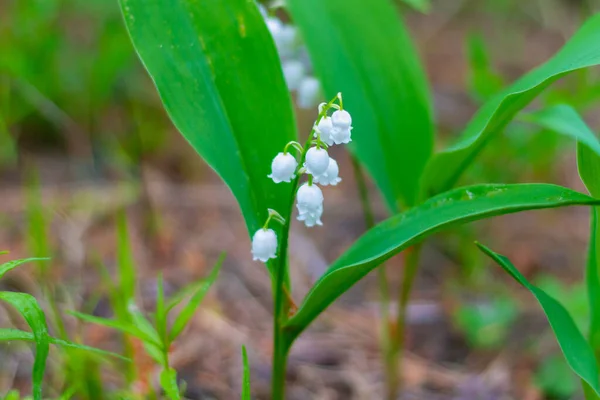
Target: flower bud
[325, 127]
[283, 168]
[264, 245]
[317, 161]
[330, 177]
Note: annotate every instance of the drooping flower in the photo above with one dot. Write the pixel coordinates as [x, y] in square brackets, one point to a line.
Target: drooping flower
[283, 168]
[331, 176]
[317, 161]
[325, 127]
[311, 219]
[342, 126]
[309, 92]
[264, 245]
[309, 202]
[293, 71]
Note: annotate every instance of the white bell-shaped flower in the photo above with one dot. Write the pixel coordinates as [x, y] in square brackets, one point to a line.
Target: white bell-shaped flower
[283, 168]
[331, 176]
[309, 92]
[264, 245]
[317, 161]
[325, 127]
[309, 202]
[342, 127]
[312, 218]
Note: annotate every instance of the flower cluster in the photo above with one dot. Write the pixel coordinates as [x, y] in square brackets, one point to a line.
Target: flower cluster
[294, 60]
[316, 164]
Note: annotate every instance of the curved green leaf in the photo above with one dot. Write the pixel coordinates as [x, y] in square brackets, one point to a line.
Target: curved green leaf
[32, 313]
[4, 268]
[444, 169]
[362, 49]
[404, 230]
[575, 348]
[218, 74]
[8, 335]
[565, 120]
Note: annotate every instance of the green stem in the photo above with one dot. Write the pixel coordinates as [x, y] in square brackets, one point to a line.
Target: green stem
[397, 345]
[382, 279]
[282, 305]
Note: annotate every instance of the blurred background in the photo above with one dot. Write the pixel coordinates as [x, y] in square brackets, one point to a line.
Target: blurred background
[83, 137]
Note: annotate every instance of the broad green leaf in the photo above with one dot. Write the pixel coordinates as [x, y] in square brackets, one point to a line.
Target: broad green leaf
[575, 348]
[411, 227]
[218, 74]
[444, 169]
[565, 120]
[7, 335]
[246, 395]
[188, 311]
[4, 268]
[120, 326]
[362, 49]
[32, 313]
[168, 381]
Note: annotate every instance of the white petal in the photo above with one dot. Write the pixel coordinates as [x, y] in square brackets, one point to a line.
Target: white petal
[317, 161]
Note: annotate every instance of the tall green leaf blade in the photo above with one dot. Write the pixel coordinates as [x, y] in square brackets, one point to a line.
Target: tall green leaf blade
[444, 169]
[8, 335]
[404, 230]
[32, 313]
[246, 395]
[362, 49]
[575, 348]
[588, 164]
[4, 268]
[218, 74]
[188, 311]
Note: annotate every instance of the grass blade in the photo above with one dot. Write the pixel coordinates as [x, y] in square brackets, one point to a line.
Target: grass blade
[190, 308]
[575, 348]
[246, 382]
[8, 335]
[4, 268]
[168, 381]
[28, 307]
